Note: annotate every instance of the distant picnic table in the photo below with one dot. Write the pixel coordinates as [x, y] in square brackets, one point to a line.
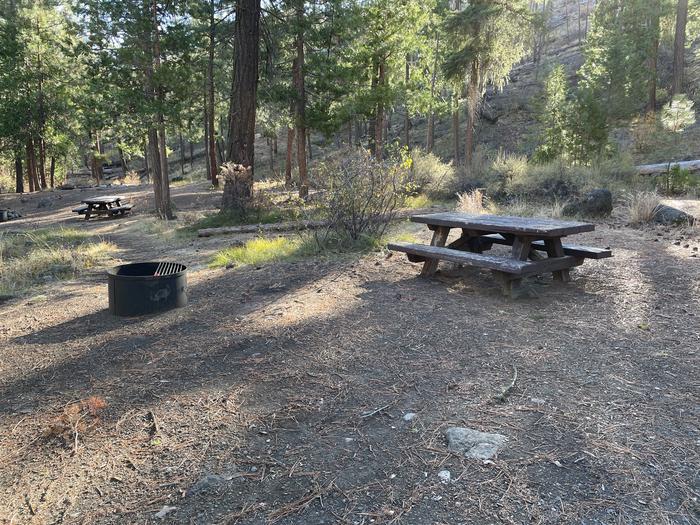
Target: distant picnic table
[526, 236]
[110, 205]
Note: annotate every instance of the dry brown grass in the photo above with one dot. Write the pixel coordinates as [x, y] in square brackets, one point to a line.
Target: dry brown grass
[642, 206]
[471, 202]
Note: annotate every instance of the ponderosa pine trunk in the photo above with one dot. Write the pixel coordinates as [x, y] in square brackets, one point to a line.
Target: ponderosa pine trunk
[679, 48]
[212, 166]
[244, 93]
[653, 59]
[472, 104]
[288, 166]
[407, 117]
[299, 70]
[430, 138]
[380, 122]
[19, 175]
[182, 155]
[52, 171]
[455, 127]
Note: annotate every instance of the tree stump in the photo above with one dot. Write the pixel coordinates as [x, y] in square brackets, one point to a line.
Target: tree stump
[238, 187]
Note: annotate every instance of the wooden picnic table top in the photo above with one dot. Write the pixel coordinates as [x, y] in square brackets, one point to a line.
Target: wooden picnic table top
[103, 199]
[526, 226]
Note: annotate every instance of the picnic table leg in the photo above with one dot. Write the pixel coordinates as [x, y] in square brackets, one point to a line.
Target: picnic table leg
[520, 251]
[88, 212]
[439, 239]
[555, 249]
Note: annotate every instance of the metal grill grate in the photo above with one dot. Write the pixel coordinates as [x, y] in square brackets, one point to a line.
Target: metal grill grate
[167, 268]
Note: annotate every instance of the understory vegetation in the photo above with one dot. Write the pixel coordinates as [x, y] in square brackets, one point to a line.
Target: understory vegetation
[41, 256]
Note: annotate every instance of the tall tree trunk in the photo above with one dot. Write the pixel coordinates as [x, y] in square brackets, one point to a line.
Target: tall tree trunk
[42, 163]
[52, 171]
[122, 160]
[407, 117]
[380, 121]
[290, 158]
[157, 134]
[211, 148]
[472, 103]
[207, 158]
[97, 160]
[191, 145]
[244, 94]
[31, 166]
[19, 175]
[308, 144]
[679, 47]
[145, 161]
[430, 138]
[182, 155]
[455, 126]
[299, 84]
[654, 23]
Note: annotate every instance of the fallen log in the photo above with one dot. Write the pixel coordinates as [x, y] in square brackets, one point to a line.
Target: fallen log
[651, 169]
[255, 228]
[292, 225]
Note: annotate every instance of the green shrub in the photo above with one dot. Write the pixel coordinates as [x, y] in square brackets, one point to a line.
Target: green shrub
[361, 194]
[432, 176]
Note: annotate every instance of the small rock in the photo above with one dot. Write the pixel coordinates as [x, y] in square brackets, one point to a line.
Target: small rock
[537, 400]
[207, 482]
[162, 513]
[409, 416]
[677, 243]
[686, 246]
[668, 215]
[473, 443]
[445, 476]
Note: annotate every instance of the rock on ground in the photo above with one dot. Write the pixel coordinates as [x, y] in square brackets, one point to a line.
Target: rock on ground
[668, 215]
[596, 203]
[473, 443]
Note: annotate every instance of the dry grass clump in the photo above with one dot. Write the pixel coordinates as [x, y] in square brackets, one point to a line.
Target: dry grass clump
[471, 202]
[31, 258]
[642, 206]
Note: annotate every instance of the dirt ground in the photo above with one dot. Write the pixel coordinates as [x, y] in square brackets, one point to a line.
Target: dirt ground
[278, 394]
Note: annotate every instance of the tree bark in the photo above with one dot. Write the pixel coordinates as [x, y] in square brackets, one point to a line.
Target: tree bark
[241, 120]
[52, 171]
[430, 139]
[19, 175]
[380, 122]
[653, 60]
[679, 48]
[290, 158]
[300, 87]
[211, 147]
[472, 103]
[407, 117]
[157, 134]
[455, 126]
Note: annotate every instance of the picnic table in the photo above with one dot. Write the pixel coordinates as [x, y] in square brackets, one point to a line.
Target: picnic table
[536, 246]
[110, 205]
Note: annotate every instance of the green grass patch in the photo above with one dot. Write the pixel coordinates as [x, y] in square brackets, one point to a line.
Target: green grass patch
[262, 250]
[415, 202]
[41, 256]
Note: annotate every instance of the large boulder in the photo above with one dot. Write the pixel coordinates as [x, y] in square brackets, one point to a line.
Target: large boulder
[668, 215]
[596, 203]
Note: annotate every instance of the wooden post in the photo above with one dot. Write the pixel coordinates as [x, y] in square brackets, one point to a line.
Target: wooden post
[555, 249]
[439, 239]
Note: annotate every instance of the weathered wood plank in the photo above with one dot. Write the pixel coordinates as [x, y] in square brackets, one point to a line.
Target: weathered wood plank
[652, 169]
[491, 262]
[556, 250]
[439, 239]
[535, 227]
[576, 250]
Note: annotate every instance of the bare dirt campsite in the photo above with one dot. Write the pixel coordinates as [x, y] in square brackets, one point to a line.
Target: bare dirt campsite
[320, 390]
[350, 262]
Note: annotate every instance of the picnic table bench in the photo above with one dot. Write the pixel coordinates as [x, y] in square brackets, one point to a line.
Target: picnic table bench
[526, 236]
[110, 205]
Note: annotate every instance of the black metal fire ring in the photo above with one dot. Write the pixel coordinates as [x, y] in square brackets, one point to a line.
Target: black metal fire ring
[146, 288]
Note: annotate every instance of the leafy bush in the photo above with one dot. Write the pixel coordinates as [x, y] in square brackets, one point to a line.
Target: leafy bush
[361, 194]
[432, 176]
